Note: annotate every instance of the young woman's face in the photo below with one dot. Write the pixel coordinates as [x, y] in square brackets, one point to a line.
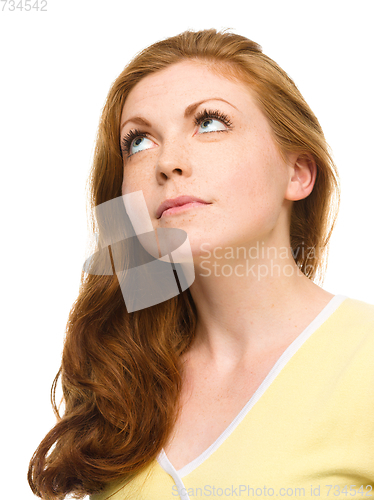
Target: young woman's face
[206, 137]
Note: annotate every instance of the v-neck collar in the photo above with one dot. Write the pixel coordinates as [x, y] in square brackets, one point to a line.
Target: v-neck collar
[282, 361]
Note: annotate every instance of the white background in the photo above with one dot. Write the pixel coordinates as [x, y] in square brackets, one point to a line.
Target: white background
[56, 70]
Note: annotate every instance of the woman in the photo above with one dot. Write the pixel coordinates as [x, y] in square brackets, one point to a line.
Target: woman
[254, 380]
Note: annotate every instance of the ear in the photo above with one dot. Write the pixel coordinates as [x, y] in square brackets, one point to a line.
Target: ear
[303, 173]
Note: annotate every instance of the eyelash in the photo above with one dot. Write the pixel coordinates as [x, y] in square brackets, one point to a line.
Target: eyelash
[203, 115]
[127, 139]
[206, 114]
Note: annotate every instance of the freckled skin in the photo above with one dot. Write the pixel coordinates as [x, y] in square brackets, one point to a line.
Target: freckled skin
[240, 171]
[251, 190]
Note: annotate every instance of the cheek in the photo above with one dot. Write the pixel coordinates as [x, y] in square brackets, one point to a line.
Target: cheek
[140, 205]
[252, 185]
[129, 180]
[245, 172]
[133, 181]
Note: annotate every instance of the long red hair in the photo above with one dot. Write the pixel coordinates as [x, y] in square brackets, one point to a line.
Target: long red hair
[120, 371]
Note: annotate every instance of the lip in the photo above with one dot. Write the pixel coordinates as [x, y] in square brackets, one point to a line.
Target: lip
[178, 202]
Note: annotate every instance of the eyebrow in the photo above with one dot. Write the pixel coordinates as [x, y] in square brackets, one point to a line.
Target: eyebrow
[187, 113]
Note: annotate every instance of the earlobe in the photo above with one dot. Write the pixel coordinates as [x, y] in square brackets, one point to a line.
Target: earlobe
[302, 178]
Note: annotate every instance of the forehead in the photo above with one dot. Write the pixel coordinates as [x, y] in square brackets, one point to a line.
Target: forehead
[183, 83]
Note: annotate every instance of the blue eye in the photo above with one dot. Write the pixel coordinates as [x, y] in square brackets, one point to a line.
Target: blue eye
[208, 124]
[212, 121]
[134, 142]
[207, 121]
[139, 144]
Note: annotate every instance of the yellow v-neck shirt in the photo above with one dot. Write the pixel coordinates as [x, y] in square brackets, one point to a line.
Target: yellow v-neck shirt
[307, 432]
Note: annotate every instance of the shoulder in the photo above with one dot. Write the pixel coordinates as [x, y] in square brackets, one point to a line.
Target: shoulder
[355, 313]
[351, 329]
[129, 487]
[345, 323]
[359, 305]
[112, 491]
[346, 332]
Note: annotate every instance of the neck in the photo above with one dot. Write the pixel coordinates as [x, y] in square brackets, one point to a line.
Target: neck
[249, 302]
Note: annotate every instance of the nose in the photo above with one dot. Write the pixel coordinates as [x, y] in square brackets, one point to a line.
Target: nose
[173, 160]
